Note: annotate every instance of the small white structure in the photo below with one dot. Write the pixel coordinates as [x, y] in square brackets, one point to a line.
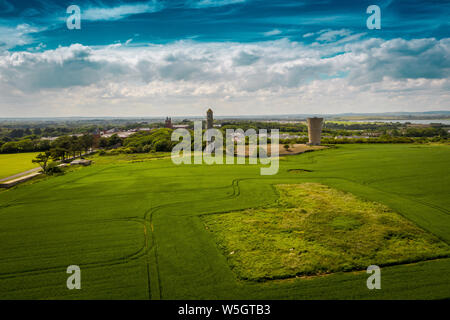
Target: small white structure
[83, 162]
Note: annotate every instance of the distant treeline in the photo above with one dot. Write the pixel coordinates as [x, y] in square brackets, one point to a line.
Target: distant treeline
[61, 148]
[30, 140]
[13, 131]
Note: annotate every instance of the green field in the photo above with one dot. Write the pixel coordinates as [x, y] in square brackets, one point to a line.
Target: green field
[314, 229]
[137, 230]
[11, 164]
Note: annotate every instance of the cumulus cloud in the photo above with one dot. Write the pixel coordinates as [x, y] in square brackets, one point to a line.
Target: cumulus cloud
[244, 59]
[401, 59]
[268, 77]
[21, 34]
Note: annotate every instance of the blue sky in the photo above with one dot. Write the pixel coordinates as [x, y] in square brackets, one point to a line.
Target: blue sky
[106, 22]
[149, 58]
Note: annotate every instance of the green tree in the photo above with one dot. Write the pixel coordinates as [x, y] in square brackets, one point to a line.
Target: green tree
[63, 146]
[87, 141]
[43, 159]
[9, 147]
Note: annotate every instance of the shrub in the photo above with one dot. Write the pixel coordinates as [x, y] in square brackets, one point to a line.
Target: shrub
[53, 169]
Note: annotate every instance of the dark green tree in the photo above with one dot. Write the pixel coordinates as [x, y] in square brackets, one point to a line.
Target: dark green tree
[43, 159]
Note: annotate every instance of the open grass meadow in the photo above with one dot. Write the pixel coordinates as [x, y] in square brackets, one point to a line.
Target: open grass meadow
[142, 228]
[11, 164]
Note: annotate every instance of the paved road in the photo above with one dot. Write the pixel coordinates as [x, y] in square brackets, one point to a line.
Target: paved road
[20, 174]
[36, 169]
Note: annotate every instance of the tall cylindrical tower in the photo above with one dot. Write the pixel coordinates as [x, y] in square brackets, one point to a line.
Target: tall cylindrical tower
[314, 130]
[209, 119]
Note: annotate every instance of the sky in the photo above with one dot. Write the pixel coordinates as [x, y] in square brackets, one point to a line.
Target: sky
[239, 57]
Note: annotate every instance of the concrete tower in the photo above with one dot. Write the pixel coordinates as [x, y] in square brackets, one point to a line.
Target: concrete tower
[314, 130]
[209, 119]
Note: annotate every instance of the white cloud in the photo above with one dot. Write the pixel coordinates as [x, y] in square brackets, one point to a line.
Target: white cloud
[22, 34]
[212, 3]
[268, 77]
[332, 35]
[273, 32]
[120, 12]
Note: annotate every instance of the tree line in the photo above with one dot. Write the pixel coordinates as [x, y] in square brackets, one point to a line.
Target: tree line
[61, 148]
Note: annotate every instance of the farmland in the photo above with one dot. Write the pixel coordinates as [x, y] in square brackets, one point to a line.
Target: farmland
[137, 228]
[14, 163]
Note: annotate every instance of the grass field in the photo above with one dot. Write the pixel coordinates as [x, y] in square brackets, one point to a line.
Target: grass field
[314, 229]
[136, 229]
[11, 164]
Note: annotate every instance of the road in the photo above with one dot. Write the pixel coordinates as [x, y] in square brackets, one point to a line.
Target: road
[20, 174]
[38, 168]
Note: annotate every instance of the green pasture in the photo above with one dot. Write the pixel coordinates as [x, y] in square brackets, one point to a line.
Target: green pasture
[314, 229]
[11, 164]
[136, 227]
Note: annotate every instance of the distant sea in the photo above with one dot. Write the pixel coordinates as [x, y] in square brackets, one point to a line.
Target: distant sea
[442, 121]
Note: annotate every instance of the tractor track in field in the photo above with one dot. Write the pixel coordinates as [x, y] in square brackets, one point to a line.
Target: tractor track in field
[149, 236]
[235, 183]
[369, 184]
[148, 217]
[148, 245]
[13, 202]
[16, 202]
[116, 261]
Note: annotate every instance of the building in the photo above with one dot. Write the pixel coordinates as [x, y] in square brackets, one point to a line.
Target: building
[180, 126]
[168, 123]
[209, 119]
[314, 130]
[82, 162]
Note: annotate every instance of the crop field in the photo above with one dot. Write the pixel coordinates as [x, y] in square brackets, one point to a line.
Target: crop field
[144, 228]
[11, 164]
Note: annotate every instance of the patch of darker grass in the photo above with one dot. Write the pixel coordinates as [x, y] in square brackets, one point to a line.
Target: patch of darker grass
[313, 229]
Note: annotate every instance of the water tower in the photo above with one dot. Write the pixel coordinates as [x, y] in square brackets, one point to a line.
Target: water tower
[314, 130]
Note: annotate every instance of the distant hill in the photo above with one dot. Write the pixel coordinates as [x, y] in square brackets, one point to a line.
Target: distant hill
[400, 115]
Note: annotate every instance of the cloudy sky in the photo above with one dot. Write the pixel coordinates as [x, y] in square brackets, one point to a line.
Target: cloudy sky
[240, 57]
